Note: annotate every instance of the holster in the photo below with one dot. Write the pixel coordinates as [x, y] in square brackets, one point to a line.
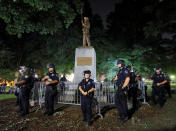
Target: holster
[118, 88]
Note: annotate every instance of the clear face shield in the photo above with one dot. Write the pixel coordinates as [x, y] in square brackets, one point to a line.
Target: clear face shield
[157, 70]
[22, 69]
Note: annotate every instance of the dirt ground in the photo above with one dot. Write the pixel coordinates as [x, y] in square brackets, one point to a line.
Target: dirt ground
[68, 118]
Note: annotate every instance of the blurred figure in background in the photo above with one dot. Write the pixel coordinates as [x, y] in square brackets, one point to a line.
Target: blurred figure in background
[16, 87]
[25, 84]
[159, 81]
[168, 85]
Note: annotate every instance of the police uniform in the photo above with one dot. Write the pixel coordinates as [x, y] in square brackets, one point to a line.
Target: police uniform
[120, 97]
[24, 93]
[50, 93]
[86, 100]
[168, 86]
[132, 91]
[158, 90]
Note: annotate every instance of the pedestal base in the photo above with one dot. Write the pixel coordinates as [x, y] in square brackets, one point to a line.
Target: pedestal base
[85, 59]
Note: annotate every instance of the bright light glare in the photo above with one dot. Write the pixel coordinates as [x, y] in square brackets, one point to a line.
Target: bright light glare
[70, 77]
[172, 77]
[143, 79]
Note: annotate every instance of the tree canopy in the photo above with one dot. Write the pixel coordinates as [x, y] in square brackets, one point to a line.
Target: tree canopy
[37, 32]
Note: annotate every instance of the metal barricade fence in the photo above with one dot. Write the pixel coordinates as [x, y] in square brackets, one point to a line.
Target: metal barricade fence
[38, 93]
[68, 93]
[142, 87]
[105, 95]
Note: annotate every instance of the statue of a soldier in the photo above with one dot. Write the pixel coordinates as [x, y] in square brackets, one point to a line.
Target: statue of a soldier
[85, 29]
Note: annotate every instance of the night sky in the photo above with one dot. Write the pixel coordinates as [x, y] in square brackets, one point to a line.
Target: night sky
[103, 7]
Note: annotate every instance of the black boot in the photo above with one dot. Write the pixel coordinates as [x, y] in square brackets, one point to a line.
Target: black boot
[123, 120]
[45, 113]
[89, 123]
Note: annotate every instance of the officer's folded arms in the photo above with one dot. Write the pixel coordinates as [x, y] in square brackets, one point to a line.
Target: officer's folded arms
[49, 82]
[162, 83]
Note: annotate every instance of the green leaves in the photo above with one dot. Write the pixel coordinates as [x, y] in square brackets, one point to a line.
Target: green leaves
[42, 16]
[41, 5]
[164, 18]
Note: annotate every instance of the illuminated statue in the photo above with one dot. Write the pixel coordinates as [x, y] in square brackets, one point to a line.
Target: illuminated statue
[85, 29]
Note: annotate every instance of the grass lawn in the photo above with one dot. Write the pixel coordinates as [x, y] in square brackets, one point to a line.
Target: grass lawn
[6, 96]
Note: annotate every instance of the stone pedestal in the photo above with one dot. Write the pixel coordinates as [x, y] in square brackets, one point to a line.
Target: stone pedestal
[85, 59]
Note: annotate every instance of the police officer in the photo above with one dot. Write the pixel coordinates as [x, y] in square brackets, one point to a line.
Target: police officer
[24, 90]
[123, 79]
[86, 87]
[168, 85]
[159, 81]
[51, 80]
[63, 79]
[132, 90]
[16, 87]
[62, 83]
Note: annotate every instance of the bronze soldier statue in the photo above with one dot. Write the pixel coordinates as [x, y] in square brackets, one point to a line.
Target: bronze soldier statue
[85, 29]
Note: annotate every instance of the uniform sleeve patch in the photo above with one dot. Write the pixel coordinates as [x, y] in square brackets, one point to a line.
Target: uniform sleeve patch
[126, 72]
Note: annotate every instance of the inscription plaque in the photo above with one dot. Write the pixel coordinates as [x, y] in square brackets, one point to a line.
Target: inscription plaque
[84, 61]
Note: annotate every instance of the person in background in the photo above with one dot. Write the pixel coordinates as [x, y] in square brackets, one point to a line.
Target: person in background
[168, 85]
[159, 80]
[24, 90]
[16, 87]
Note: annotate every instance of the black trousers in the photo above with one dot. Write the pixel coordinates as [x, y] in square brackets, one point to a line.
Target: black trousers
[50, 93]
[132, 93]
[121, 103]
[168, 89]
[17, 100]
[24, 100]
[86, 103]
[158, 91]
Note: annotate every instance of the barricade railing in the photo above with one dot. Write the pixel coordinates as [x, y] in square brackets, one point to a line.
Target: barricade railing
[68, 93]
[142, 87]
[38, 93]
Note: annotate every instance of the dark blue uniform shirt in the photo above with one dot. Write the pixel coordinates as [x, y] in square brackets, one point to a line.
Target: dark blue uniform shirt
[86, 86]
[132, 78]
[26, 78]
[157, 78]
[53, 76]
[122, 75]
